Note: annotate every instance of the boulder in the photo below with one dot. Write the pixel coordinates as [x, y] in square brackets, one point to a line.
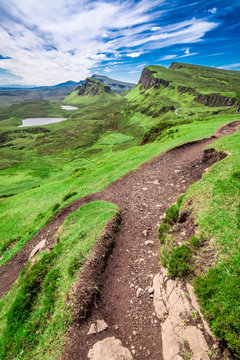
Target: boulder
[97, 327]
[40, 246]
[109, 349]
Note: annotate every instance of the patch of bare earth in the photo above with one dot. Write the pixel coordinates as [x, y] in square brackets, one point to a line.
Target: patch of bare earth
[126, 294]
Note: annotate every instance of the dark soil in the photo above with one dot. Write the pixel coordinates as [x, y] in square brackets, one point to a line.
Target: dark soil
[142, 196]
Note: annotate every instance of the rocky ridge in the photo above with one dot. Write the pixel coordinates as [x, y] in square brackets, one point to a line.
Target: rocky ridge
[93, 87]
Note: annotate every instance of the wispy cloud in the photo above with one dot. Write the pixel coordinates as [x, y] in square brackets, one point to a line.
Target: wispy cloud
[229, 66]
[45, 42]
[134, 55]
[213, 10]
[168, 57]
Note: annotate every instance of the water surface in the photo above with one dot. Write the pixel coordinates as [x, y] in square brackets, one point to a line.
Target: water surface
[40, 121]
[68, 107]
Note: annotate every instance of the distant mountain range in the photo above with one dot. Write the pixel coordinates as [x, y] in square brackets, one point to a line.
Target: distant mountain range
[17, 93]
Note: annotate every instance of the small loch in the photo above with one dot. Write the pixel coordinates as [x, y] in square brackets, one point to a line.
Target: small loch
[68, 107]
[40, 121]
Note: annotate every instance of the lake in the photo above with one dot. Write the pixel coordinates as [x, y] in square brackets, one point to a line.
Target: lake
[40, 121]
[68, 107]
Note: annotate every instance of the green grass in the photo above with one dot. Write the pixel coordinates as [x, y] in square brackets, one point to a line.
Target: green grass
[45, 168]
[215, 200]
[41, 182]
[201, 78]
[36, 313]
[91, 91]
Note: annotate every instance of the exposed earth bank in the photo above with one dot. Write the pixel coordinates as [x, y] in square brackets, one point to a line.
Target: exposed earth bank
[141, 313]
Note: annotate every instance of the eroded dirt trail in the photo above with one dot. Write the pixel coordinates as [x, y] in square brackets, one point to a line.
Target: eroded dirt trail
[143, 196]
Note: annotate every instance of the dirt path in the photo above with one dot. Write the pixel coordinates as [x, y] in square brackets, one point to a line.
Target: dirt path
[143, 197]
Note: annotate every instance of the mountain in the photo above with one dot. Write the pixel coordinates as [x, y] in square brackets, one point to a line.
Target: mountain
[116, 85]
[91, 90]
[196, 79]
[54, 92]
[17, 93]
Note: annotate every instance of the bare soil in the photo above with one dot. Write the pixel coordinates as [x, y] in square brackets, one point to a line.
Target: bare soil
[142, 196]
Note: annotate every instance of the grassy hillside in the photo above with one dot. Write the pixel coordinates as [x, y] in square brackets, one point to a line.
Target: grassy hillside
[37, 311]
[200, 78]
[91, 91]
[212, 256]
[43, 168]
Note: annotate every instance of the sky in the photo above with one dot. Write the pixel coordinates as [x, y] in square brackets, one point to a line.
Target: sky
[48, 42]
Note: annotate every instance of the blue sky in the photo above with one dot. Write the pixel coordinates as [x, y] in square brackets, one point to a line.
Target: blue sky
[47, 42]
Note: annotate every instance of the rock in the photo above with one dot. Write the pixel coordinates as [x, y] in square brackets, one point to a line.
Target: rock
[116, 327]
[227, 355]
[145, 233]
[40, 246]
[150, 290]
[147, 80]
[101, 326]
[158, 300]
[212, 100]
[140, 292]
[181, 337]
[97, 327]
[109, 349]
[148, 242]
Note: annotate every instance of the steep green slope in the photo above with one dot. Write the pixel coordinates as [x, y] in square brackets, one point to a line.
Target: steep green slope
[37, 310]
[89, 92]
[213, 253]
[200, 78]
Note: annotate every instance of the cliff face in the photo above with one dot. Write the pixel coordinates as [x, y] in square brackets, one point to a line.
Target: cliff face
[212, 100]
[184, 89]
[147, 80]
[92, 87]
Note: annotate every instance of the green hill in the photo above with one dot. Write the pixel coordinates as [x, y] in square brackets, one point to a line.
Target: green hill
[202, 79]
[90, 91]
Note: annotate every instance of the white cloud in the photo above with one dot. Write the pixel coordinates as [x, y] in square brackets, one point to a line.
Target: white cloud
[229, 66]
[213, 10]
[186, 53]
[134, 55]
[168, 57]
[54, 41]
[155, 28]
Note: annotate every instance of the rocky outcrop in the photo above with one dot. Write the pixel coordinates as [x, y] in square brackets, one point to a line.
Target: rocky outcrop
[185, 333]
[109, 349]
[93, 87]
[184, 89]
[147, 80]
[176, 65]
[212, 100]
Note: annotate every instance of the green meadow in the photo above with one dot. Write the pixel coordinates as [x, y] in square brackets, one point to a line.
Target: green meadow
[43, 168]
